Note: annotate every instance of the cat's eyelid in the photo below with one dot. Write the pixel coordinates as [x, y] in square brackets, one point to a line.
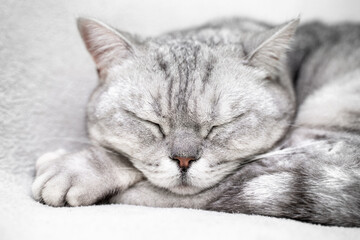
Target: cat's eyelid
[231, 119]
[222, 124]
[158, 126]
[211, 130]
[145, 120]
[238, 116]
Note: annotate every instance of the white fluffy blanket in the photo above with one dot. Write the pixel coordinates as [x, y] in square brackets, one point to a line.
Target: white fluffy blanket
[46, 77]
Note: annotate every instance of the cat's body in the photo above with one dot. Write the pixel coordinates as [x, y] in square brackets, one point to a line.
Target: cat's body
[313, 174]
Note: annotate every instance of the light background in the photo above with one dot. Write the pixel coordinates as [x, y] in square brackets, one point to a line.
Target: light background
[155, 16]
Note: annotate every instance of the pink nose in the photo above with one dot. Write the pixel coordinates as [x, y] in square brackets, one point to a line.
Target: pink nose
[184, 162]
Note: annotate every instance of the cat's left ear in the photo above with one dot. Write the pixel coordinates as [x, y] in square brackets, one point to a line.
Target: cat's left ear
[267, 49]
[106, 45]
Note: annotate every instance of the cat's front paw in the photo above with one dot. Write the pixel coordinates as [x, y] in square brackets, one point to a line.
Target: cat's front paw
[73, 179]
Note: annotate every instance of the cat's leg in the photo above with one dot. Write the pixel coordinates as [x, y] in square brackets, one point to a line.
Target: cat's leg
[146, 194]
[81, 178]
[315, 180]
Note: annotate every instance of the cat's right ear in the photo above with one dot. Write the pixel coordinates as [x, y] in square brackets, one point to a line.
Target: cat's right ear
[106, 45]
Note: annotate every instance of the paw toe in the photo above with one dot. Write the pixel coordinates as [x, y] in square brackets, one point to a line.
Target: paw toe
[55, 190]
[39, 183]
[78, 196]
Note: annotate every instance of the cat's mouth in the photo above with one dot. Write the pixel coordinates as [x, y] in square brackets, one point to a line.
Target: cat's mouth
[185, 186]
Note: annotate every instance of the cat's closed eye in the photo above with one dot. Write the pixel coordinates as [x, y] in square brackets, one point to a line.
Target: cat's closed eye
[157, 125]
[211, 131]
[214, 128]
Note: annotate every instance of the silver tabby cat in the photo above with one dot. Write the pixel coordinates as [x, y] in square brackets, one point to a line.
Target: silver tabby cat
[220, 117]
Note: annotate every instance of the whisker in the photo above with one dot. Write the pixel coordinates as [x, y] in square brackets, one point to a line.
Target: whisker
[291, 150]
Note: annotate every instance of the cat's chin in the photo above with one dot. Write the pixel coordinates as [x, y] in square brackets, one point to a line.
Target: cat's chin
[182, 189]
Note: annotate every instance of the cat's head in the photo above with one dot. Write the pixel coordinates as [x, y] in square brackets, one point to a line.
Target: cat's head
[185, 111]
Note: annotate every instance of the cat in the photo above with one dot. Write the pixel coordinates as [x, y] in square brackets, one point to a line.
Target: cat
[220, 117]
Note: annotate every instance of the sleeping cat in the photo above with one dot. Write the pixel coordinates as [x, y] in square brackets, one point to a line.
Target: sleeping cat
[207, 118]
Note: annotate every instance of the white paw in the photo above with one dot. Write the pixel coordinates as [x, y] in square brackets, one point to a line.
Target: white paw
[140, 194]
[71, 179]
[46, 159]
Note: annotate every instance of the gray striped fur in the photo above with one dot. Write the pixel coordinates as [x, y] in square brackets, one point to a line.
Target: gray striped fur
[271, 136]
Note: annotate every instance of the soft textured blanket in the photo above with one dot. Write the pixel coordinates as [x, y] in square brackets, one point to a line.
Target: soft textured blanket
[46, 77]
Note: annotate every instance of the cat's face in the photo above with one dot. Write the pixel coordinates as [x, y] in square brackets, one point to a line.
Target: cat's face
[187, 115]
